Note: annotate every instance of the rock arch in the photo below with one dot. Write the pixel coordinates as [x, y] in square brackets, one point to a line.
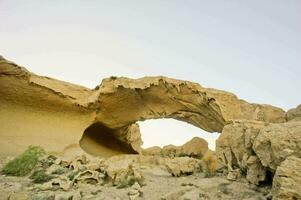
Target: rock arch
[121, 102]
[62, 112]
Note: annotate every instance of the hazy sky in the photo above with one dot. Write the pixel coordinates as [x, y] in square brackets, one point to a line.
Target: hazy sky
[250, 48]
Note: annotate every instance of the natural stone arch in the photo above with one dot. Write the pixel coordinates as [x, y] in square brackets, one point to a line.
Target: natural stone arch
[121, 102]
[62, 111]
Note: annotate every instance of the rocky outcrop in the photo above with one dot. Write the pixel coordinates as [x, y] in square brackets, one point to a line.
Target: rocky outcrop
[276, 142]
[161, 97]
[182, 166]
[234, 149]
[55, 109]
[294, 114]
[152, 151]
[258, 148]
[286, 182]
[170, 150]
[196, 148]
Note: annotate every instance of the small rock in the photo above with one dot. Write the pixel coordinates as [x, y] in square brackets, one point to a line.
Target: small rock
[64, 196]
[234, 174]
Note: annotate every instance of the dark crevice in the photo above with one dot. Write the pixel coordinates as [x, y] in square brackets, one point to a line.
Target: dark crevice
[99, 140]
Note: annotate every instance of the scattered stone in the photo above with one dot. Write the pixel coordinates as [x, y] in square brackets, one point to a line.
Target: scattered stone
[234, 174]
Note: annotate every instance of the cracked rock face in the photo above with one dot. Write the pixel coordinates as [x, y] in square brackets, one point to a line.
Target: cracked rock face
[257, 148]
[234, 149]
[286, 182]
[59, 115]
[294, 114]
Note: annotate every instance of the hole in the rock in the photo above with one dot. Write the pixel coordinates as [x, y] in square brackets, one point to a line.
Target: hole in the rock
[268, 179]
[99, 140]
[161, 132]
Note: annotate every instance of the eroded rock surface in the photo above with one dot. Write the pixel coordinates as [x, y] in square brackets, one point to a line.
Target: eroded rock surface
[286, 182]
[196, 147]
[276, 142]
[294, 114]
[234, 149]
[257, 148]
[56, 109]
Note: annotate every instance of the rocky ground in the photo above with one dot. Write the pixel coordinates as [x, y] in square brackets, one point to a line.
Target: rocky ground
[128, 177]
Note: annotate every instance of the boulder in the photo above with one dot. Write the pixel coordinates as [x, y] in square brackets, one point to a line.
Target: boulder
[122, 171]
[294, 114]
[152, 151]
[182, 165]
[196, 148]
[287, 180]
[276, 142]
[170, 151]
[257, 147]
[234, 149]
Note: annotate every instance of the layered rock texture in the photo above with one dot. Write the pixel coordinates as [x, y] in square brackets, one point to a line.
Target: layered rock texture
[262, 142]
[60, 116]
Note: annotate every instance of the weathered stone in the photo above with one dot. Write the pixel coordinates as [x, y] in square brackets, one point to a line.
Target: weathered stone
[152, 151]
[287, 180]
[122, 171]
[276, 142]
[89, 177]
[256, 147]
[294, 114]
[234, 174]
[110, 111]
[196, 148]
[169, 151]
[234, 149]
[182, 165]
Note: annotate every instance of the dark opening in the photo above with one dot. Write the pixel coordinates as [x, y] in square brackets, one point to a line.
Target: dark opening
[99, 140]
[268, 179]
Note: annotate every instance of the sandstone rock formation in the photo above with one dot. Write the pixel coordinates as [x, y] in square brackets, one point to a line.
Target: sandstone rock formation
[60, 115]
[196, 147]
[258, 148]
[182, 166]
[276, 142]
[286, 182]
[294, 114]
[260, 141]
[234, 149]
[170, 150]
[152, 151]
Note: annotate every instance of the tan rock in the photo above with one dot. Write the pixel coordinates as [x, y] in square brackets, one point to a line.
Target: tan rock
[234, 149]
[234, 174]
[294, 114]
[152, 151]
[276, 142]
[122, 171]
[102, 121]
[169, 150]
[196, 148]
[287, 180]
[182, 165]
[89, 177]
[256, 147]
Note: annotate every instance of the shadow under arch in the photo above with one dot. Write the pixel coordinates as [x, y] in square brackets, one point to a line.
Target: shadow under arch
[99, 140]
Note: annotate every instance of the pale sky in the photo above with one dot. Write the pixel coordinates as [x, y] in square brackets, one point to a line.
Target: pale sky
[250, 48]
